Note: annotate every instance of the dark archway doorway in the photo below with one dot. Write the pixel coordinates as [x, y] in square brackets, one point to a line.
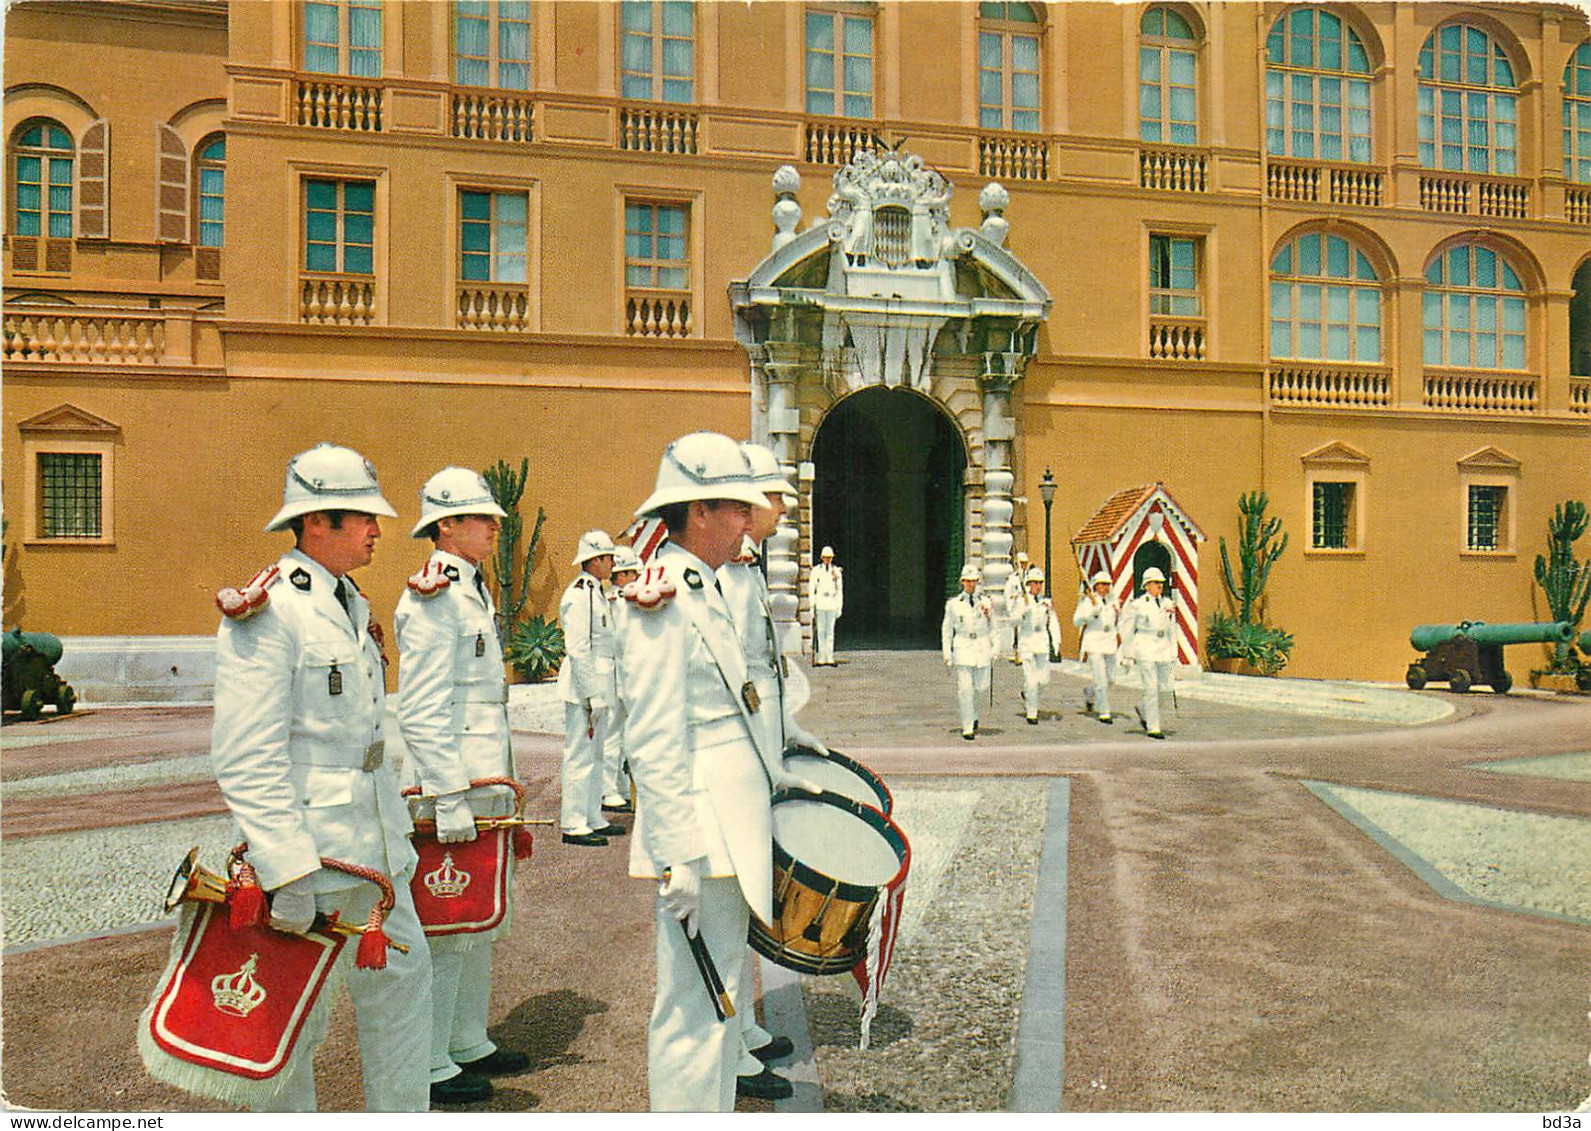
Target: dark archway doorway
[888, 497]
[1152, 555]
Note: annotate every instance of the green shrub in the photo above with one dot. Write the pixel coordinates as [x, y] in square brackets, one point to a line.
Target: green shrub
[536, 648]
[1263, 646]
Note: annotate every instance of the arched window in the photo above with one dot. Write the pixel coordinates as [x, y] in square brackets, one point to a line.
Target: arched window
[41, 180]
[491, 43]
[1577, 115]
[1325, 301]
[1168, 83]
[1317, 88]
[210, 179]
[1474, 312]
[1008, 67]
[1468, 102]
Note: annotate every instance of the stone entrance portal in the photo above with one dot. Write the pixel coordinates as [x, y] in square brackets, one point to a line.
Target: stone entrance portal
[882, 295]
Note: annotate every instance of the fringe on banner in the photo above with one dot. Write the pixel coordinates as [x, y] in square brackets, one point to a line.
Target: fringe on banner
[875, 933]
[882, 927]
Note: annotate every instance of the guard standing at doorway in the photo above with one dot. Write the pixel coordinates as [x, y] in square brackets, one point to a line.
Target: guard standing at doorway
[966, 639]
[826, 595]
[1038, 636]
[1096, 615]
[586, 683]
[1015, 599]
[1149, 639]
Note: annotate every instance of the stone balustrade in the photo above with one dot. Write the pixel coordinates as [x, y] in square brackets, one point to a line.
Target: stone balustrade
[1176, 339]
[493, 117]
[83, 335]
[658, 129]
[1174, 170]
[338, 104]
[836, 141]
[1491, 394]
[1577, 205]
[493, 306]
[1580, 396]
[1324, 385]
[1462, 194]
[657, 314]
[1014, 157]
[338, 300]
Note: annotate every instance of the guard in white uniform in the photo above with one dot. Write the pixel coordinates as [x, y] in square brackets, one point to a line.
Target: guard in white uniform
[1096, 615]
[615, 778]
[297, 750]
[703, 779]
[826, 596]
[1149, 639]
[966, 638]
[1038, 637]
[1015, 598]
[586, 683]
[453, 713]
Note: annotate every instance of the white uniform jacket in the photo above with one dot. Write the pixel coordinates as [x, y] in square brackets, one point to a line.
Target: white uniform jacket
[1149, 629]
[826, 588]
[966, 634]
[452, 698]
[1096, 616]
[1038, 632]
[746, 595]
[299, 703]
[702, 784]
[1016, 593]
[587, 620]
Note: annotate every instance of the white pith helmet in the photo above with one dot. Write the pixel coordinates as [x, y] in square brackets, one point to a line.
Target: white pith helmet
[765, 470]
[971, 572]
[1100, 578]
[329, 478]
[1034, 574]
[1153, 574]
[826, 552]
[593, 544]
[1021, 555]
[454, 491]
[625, 558]
[702, 465]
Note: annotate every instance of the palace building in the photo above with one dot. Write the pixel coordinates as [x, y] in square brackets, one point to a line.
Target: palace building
[1165, 253]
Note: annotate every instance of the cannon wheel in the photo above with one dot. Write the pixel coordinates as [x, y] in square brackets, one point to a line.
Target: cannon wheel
[66, 701]
[1502, 683]
[1415, 677]
[1459, 681]
[1582, 679]
[32, 704]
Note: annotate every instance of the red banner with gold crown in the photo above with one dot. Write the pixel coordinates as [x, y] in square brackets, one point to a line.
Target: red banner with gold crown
[463, 888]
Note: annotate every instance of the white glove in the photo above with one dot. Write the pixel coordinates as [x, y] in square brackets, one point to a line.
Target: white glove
[455, 820]
[293, 905]
[1124, 665]
[949, 663]
[797, 735]
[784, 779]
[681, 894]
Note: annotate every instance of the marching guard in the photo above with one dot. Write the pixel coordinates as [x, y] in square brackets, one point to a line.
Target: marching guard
[1015, 598]
[1149, 639]
[1038, 637]
[826, 596]
[615, 778]
[966, 638]
[586, 682]
[1096, 615]
[453, 713]
[297, 750]
[703, 774]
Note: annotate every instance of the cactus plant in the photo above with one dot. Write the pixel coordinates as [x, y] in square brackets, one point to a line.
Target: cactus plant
[1256, 554]
[1565, 581]
[508, 487]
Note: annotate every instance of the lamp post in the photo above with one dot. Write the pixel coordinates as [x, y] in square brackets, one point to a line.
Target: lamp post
[1047, 487]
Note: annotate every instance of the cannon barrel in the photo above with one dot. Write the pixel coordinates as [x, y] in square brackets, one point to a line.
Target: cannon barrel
[1428, 636]
[1585, 641]
[48, 647]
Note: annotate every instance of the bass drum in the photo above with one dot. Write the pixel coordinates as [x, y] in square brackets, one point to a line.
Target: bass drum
[833, 857]
[838, 774]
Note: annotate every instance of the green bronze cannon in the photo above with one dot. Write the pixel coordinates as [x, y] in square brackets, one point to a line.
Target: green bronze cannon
[1471, 652]
[28, 682]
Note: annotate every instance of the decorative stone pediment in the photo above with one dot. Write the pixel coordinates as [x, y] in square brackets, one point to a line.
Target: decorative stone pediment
[68, 418]
[1336, 454]
[1489, 459]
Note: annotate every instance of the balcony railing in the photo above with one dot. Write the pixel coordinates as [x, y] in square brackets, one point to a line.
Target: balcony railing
[1176, 339]
[657, 314]
[337, 104]
[493, 117]
[1316, 385]
[1174, 170]
[1481, 392]
[85, 335]
[493, 306]
[1580, 396]
[1577, 205]
[1321, 183]
[834, 141]
[1014, 157]
[337, 300]
[658, 129]
[1461, 193]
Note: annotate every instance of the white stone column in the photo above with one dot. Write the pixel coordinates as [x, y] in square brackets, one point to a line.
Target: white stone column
[782, 419]
[999, 375]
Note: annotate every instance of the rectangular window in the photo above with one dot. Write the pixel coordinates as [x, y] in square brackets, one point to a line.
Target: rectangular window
[491, 43]
[343, 37]
[658, 50]
[1332, 527]
[655, 245]
[839, 76]
[212, 200]
[1486, 517]
[70, 490]
[492, 236]
[339, 226]
[1174, 269]
[1008, 81]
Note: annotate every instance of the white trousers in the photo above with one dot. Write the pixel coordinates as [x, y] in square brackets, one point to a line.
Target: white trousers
[1102, 666]
[971, 685]
[691, 1056]
[1156, 676]
[1035, 674]
[461, 993]
[752, 1035]
[823, 635]
[615, 782]
[392, 1009]
[583, 741]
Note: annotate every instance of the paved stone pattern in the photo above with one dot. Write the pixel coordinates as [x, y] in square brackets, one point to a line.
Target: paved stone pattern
[944, 1038]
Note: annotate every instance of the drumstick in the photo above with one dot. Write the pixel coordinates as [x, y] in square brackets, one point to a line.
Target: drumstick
[722, 1006]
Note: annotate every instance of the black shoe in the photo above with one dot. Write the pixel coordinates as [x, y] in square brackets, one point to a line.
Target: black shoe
[625, 807]
[776, 1049]
[765, 1085]
[591, 840]
[968, 737]
[465, 1088]
[609, 830]
[1107, 720]
[1156, 734]
[1033, 720]
[502, 1062]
